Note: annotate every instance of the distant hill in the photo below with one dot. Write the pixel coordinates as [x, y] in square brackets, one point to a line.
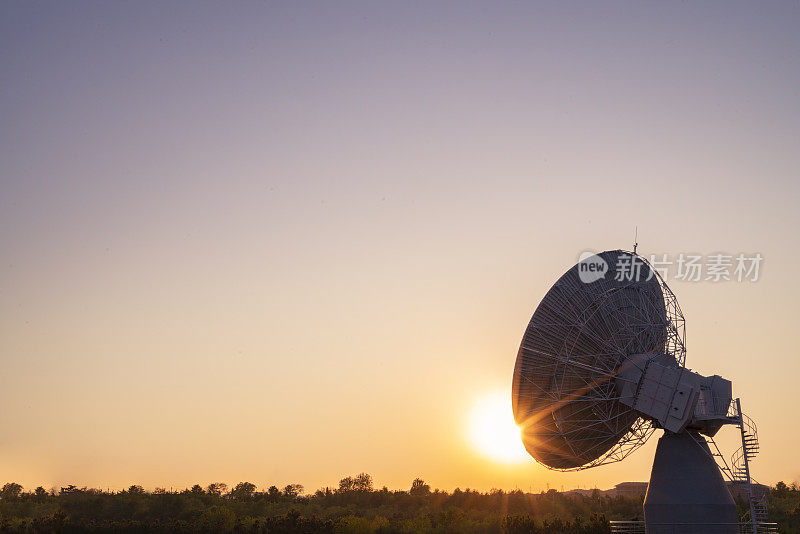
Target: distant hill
[626, 489]
[636, 489]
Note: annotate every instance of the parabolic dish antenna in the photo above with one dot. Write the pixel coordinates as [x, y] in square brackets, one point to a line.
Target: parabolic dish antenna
[602, 365]
[564, 395]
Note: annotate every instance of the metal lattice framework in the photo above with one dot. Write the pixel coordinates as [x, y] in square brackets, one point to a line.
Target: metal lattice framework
[564, 396]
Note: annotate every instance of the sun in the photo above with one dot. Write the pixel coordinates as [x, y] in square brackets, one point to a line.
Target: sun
[492, 430]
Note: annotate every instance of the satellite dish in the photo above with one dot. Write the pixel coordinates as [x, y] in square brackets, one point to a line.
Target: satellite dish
[601, 366]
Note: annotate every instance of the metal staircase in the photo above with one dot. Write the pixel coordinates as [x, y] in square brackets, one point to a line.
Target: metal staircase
[755, 520]
[757, 516]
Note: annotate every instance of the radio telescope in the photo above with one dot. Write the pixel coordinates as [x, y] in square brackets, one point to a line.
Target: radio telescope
[601, 366]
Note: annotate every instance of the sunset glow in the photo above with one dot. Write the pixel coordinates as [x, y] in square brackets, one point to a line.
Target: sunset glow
[493, 432]
[289, 242]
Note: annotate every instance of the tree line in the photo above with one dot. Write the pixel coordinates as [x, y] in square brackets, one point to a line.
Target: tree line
[355, 506]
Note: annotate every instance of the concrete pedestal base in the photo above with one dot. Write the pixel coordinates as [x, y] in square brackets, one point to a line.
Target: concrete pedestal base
[687, 493]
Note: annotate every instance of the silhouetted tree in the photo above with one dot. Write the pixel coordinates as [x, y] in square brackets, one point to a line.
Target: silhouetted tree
[274, 493]
[293, 490]
[40, 493]
[243, 491]
[216, 488]
[418, 487]
[10, 491]
[136, 490]
[346, 484]
[362, 482]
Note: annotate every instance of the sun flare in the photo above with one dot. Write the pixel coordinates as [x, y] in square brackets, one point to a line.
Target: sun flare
[492, 430]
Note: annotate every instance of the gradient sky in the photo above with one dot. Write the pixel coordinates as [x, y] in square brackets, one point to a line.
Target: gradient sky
[288, 242]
